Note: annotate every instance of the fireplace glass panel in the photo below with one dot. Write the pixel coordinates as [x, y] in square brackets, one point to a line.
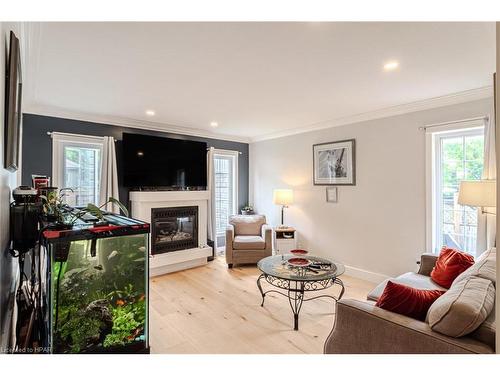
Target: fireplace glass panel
[174, 229]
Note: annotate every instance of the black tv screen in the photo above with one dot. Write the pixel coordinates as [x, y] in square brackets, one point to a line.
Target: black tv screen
[158, 162]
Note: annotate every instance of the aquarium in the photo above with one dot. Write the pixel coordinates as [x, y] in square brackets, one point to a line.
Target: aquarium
[98, 290]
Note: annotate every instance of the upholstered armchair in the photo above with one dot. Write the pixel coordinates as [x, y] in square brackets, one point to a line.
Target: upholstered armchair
[248, 239]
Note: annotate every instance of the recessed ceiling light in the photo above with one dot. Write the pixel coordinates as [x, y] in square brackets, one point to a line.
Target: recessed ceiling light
[214, 124]
[391, 65]
[150, 112]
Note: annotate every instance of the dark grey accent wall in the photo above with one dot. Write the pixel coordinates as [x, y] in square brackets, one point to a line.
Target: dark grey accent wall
[37, 147]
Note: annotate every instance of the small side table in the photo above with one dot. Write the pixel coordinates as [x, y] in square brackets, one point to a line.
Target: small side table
[285, 239]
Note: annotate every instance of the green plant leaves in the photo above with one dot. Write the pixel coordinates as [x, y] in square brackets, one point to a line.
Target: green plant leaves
[94, 210]
[120, 205]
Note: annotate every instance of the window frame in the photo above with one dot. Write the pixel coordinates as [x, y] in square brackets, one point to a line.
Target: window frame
[434, 135]
[235, 156]
[61, 140]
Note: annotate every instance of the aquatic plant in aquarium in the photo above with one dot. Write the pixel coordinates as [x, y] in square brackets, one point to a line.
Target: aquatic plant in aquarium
[99, 294]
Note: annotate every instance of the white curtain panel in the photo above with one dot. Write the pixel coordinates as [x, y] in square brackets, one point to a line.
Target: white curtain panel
[486, 229]
[109, 175]
[212, 235]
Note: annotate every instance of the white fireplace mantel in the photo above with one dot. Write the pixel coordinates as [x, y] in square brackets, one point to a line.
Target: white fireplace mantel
[141, 204]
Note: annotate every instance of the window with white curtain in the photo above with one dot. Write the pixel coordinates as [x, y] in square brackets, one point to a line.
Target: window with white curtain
[457, 154]
[77, 165]
[226, 188]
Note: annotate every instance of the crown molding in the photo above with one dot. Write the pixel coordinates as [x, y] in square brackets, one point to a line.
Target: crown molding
[43, 110]
[441, 101]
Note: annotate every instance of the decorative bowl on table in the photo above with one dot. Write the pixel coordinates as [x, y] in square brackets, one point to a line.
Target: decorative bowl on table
[299, 262]
[299, 252]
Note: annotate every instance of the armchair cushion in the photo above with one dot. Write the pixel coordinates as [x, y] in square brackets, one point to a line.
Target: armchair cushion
[247, 225]
[249, 243]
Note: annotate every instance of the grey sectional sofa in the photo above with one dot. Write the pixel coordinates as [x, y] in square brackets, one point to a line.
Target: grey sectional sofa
[361, 327]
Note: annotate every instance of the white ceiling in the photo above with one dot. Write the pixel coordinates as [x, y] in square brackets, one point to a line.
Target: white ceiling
[254, 79]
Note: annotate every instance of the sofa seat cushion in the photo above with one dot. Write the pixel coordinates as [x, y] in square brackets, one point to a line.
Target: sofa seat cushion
[463, 308]
[247, 225]
[249, 243]
[449, 265]
[411, 279]
[484, 267]
[408, 301]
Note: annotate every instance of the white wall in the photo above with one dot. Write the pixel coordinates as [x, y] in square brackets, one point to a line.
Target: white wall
[7, 182]
[377, 225]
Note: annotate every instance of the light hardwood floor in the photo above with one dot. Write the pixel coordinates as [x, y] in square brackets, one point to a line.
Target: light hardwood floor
[212, 309]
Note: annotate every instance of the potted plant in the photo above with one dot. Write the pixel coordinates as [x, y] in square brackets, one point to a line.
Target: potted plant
[247, 210]
[59, 214]
[53, 207]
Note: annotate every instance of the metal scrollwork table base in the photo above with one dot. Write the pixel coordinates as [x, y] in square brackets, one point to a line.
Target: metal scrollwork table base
[295, 282]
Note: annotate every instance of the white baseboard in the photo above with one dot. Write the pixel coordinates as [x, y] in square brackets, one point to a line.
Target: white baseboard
[365, 275]
[169, 268]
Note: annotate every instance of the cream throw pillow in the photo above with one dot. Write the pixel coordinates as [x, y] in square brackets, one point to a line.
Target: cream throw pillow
[463, 307]
[484, 267]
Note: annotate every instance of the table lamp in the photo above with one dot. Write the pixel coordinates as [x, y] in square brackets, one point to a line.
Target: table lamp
[282, 197]
[479, 193]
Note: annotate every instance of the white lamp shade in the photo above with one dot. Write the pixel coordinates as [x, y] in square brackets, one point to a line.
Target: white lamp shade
[283, 197]
[480, 193]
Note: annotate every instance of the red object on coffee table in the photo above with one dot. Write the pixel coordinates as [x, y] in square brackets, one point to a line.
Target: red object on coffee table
[299, 262]
[299, 252]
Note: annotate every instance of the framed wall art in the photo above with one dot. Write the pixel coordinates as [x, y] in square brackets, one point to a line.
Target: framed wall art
[334, 163]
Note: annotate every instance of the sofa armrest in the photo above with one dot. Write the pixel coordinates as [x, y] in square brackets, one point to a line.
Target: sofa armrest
[267, 235]
[361, 327]
[427, 263]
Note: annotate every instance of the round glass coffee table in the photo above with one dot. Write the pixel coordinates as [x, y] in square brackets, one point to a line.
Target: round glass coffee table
[319, 274]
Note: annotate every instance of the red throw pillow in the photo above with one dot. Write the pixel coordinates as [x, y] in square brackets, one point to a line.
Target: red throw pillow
[406, 300]
[449, 265]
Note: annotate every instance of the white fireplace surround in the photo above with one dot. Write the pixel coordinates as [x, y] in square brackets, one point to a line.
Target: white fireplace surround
[141, 204]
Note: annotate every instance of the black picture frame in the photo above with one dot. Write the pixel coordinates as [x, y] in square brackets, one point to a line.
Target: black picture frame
[348, 164]
[13, 101]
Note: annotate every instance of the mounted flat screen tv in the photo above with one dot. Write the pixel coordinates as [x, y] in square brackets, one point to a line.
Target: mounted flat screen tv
[13, 94]
[159, 162]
